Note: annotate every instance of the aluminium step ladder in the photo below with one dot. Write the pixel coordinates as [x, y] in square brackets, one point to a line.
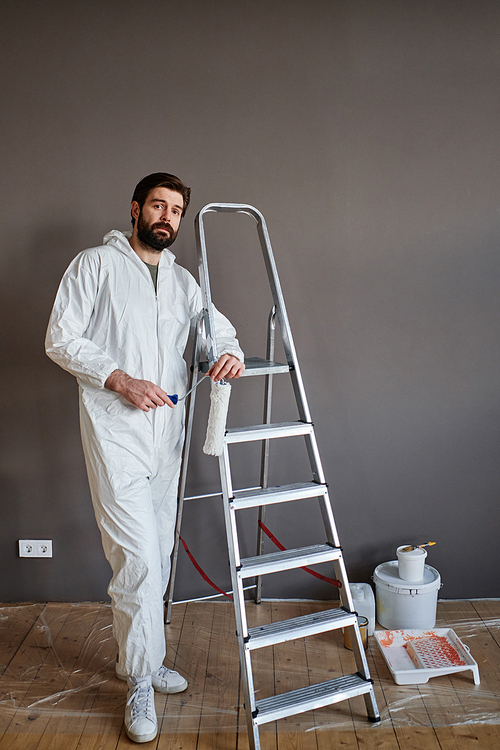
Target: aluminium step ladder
[313, 696]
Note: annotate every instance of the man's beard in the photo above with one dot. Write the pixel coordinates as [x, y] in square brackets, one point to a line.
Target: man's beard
[147, 234]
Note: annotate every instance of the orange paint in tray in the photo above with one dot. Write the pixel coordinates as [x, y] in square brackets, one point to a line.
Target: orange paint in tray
[433, 651]
[413, 656]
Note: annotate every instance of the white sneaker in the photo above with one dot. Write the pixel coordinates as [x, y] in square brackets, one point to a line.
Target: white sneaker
[164, 680]
[140, 715]
[167, 681]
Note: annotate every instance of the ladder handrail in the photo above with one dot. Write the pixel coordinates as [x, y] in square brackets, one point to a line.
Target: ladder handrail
[274, 282]
[181, 490]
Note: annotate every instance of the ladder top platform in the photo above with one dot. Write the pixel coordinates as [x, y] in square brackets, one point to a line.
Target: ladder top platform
[257, 366]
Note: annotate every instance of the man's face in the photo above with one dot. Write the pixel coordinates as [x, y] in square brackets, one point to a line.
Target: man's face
[157, 223]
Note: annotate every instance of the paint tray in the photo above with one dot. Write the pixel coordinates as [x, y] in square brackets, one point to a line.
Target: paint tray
[414, 656]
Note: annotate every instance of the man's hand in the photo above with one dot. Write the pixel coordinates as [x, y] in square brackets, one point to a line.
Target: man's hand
[140, 393]
[227, 366]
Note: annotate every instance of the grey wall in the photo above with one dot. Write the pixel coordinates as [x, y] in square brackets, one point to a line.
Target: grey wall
[367, 133]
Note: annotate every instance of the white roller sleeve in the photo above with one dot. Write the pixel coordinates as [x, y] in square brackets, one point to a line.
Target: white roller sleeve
[216, 428]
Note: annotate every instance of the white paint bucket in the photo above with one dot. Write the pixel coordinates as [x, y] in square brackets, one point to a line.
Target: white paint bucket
[411, 562]
[402, 604]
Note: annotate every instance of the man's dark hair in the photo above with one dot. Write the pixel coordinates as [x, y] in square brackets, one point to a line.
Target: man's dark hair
[160, 179]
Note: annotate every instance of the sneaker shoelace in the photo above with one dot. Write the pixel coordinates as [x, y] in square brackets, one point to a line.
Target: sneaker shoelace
[163, 672]
[140, 700]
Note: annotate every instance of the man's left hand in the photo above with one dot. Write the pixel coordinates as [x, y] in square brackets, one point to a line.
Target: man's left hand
[228, 367]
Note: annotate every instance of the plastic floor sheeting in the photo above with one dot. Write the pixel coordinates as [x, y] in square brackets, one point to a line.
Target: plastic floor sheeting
[57, 663]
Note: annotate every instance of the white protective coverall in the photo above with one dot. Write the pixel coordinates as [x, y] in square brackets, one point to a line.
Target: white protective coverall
[107, 316]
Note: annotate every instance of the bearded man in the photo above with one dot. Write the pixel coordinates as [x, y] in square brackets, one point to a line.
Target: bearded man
[120, 324]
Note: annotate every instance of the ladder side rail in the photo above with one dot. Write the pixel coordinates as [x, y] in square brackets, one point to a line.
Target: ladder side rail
[204, 278]
[264, 472]
[224, 466]
[238, 592]
[325, 503]
[314, 459]
[328, 519]
[227, 496]
[286, 333]
[268, 396]
[188, 431]
[359, 651]
[344, 591]
[298, 385]
[354, 632]
[311, 444]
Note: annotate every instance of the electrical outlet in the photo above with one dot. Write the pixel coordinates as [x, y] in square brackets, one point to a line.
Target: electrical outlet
[35, 547]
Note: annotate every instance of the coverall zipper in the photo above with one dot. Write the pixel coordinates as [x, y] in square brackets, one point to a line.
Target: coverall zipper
[156, 430]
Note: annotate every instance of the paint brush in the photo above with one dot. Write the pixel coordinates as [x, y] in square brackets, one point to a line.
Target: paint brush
[417, 546]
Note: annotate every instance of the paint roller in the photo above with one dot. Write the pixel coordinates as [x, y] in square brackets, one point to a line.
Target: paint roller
[219, 405]
[216, 427]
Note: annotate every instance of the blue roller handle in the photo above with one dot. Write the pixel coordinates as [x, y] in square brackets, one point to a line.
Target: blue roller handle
[175, 398]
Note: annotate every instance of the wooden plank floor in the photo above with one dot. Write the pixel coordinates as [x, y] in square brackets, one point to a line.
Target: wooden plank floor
[58, 690]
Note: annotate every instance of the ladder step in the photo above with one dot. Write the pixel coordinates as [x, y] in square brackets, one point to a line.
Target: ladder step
[299, 627]
[267, 431]
[258, 366]
[255, 366]
[282, 494]
[310, 698]
[288, 560]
